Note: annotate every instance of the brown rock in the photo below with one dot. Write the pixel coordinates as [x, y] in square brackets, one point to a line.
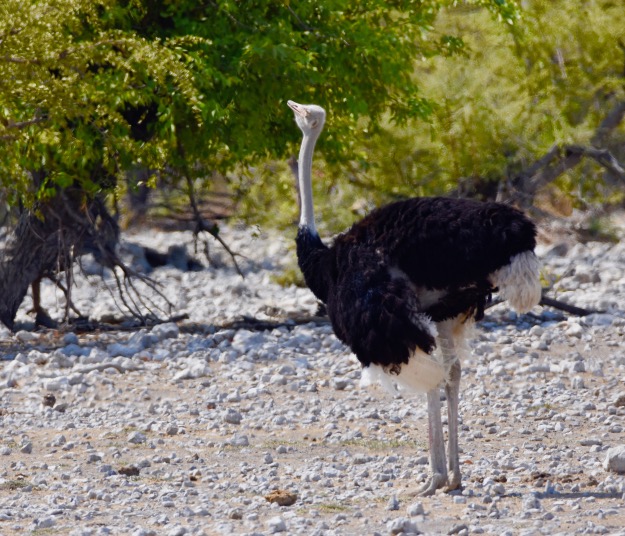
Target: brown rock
[282, 497]
[128, 470]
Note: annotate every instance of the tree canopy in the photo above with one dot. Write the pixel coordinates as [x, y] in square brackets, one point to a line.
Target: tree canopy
[509, 100]
[90, 89]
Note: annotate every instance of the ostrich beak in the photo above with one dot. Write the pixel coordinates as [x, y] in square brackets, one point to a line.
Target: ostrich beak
[298, 108]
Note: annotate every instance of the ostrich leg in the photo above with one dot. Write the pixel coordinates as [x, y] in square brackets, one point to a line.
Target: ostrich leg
[438, 466]
[452, 389]
[450, 332]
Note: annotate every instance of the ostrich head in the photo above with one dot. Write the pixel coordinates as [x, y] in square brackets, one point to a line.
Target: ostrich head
[309, 118]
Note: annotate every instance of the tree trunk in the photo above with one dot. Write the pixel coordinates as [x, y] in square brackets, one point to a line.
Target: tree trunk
[48, 243]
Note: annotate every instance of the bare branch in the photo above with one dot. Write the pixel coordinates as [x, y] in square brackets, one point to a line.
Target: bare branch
[19, 126]
[566, 307]
[11, 31]
[110, 364]
[202, 225]
[302, 24]
[603, 157]
[610, 122]
[24, 124]
[13, 59]
[557, 161]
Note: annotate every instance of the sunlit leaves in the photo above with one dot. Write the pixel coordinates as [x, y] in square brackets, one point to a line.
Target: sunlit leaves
[506, 100]
[92, 88]
[67, 82]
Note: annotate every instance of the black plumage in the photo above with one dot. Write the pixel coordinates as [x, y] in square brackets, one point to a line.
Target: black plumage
[452, 245]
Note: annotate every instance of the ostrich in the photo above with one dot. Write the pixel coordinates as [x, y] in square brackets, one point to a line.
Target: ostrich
[410, 277]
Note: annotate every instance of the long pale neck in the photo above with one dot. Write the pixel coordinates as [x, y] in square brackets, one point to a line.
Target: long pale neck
[307, 215]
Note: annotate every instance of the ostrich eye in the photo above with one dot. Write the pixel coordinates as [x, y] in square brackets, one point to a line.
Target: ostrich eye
[314, 123]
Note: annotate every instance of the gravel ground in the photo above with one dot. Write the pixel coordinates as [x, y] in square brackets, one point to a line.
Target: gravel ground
[187, 428]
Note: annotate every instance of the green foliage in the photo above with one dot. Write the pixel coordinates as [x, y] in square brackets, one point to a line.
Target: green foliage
[90, 89]
[68, 78]
[291, 275]
[505, 101]
[602, 230]
[423, 96]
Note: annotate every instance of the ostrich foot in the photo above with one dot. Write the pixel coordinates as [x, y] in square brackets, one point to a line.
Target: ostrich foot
[42, 318]
[434, 482]
[453, 483]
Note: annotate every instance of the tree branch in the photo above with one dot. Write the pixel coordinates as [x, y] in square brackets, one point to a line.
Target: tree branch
[13, 59]
[23, 124]
[202, 225]
[610, 122]
[567, 308]
[557, 161]
[561, 158]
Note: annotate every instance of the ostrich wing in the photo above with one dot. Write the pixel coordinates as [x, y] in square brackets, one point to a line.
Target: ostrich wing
[445, 243]
[377, 316]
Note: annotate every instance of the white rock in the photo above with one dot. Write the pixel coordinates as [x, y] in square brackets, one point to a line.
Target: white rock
[577, 383]
[170, 330]
[56, 384]
[16, 370]
[599, 319]
[123, 350]
[5, 332]
[615, 460]
[172, 429]
[402, 525]
[232, 416]
[136, 438]
[339, 383]
[245, 340]
[197, 368]
[75, 349]
[26, 336]
[70, 338]
[105, 311]
[415, 509]
[276, 524]
[45, 523]
[393, 504]
[574, 330]
[239, 441]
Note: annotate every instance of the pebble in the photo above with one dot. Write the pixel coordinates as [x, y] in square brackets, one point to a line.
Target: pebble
[232, 416]
[393, 504]
[276, 524]
[402, 525]
[615, 459]
[239, 431]
[415, 509]
[136, 438]
[26, 336]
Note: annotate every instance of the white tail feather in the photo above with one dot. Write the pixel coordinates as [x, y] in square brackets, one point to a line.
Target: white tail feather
[421, 374]
[519, 281]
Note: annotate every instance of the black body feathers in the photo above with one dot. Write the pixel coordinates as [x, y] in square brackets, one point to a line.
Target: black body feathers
[370, 277]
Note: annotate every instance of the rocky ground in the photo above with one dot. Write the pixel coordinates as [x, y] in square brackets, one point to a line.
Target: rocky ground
[188, 428]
